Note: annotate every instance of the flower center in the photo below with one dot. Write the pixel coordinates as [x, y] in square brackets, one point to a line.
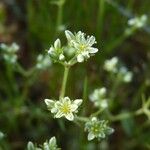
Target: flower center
[65, 108]
[95, 129]
[82, 47]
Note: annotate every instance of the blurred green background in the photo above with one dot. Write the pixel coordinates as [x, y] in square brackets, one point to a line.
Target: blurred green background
[35, 25]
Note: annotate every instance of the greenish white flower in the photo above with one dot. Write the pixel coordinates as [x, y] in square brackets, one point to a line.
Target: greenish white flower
[30, 146]
[111, 64]
[43, 62]
[97, 129]
[82, 44]
[114, 65]
[125, 75]
[48, 145]
[1, 135]
[9, 52]
[98, 97]
[56, 51]
[64, 107]
[51, 145]
[138, 22]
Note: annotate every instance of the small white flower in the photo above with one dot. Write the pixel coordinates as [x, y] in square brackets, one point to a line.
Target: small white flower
[47, 145]
[98, 97]
[125, 75]
[43, 62]
[104, 103]
[128, 77]
[3, 46]
[111, 64]
[97, 129]
[64, 107]
[14, 47]
[56, 51]
[138, 22]
[9, 52]
[1, 135]
[82, 44]
[51, 145]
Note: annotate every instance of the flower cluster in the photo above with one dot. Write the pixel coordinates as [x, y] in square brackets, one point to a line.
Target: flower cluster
[138, 22]
[135, 23]
[114, 66]
[9, 52]
[63, 107]
[48, 145]
[78, 44]
[98, 97]
[97, 129]
[43, 62]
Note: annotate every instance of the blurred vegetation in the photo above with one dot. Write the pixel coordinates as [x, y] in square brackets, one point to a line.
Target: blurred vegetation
[35, 25]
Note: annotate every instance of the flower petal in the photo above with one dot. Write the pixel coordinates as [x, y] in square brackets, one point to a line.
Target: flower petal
[77, 46]
[92, 50]
[66, 100]
[80, 58]
[69, 35]
[49, 102]
[52, 141]
[94, 119]
[91, 136]
[51, 50]
[54, 110]
[102, 135]
[70, 116]
[58, 104]
[59, 114]
[85, 54]
[78, 102]
[91, 40]
[74, 107]
[57, 44]
[61, 57]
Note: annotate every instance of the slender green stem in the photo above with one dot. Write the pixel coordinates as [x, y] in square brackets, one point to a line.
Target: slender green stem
[59, 15]
[64, 83]
[130, 5]
[82, 119]
[11, 79]
[126, 115]
[23, 72]
[117, 42]
[84, 97]
[85, 89]
[114, 88]
[100, 17]
[97, 113]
